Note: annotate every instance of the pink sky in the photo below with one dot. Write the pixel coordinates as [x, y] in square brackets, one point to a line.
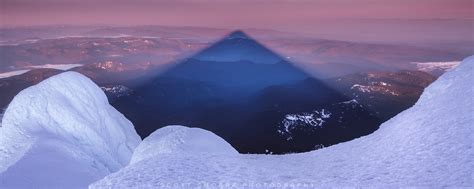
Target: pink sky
[357, 20]
[223, 13]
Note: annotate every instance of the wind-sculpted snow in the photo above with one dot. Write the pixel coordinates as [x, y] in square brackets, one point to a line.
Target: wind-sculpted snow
[62, 132]
[180, 140]
[428, 145]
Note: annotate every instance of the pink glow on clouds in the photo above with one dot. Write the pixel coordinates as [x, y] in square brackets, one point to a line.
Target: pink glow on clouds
[223, 13]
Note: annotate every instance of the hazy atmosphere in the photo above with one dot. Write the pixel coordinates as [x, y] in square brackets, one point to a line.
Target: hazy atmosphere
[236, 94]
[391, 20]
[246, 13]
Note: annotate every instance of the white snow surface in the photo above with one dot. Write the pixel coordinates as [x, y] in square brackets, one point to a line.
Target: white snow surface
[375, 87]
[62, 133]
[63, 67]
[431, 66]
[428, 145]
[180, 140]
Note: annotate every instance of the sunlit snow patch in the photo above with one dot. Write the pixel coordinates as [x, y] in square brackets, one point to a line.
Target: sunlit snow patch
[375, 87]
[433, 66]
[12, 73]
[63, 67]
[57, 66]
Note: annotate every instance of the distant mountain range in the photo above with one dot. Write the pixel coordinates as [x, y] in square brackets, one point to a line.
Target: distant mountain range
[161, 46]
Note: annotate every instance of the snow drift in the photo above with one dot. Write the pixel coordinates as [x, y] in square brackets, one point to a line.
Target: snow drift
[428, 145]
[180, 140]
[62, 132]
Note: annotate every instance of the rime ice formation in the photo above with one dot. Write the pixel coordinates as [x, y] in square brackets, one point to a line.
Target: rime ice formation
[62, 132]
[428, 145]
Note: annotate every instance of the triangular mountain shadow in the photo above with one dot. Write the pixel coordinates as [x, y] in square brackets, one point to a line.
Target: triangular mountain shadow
[237, 62]
[238, 46]
[242, 91]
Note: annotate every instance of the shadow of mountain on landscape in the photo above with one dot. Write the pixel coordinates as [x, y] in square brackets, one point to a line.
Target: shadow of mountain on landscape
[244, 92]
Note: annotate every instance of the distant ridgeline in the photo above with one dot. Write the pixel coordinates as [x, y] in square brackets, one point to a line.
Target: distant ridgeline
[256, 100]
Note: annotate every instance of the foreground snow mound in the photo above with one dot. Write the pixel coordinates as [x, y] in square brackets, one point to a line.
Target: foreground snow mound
[180, 140]
[428, 145]
[63, 132]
